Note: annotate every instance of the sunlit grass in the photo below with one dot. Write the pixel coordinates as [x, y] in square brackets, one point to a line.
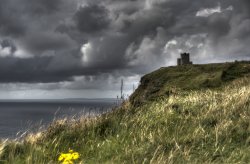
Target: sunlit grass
[206, 126]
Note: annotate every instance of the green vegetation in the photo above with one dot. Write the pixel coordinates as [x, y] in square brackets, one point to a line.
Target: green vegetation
[195, 122]
[165, 81]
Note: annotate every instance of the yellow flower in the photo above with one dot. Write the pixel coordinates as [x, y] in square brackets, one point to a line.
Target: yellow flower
[67, 158]
[75, 155]
[60, 157]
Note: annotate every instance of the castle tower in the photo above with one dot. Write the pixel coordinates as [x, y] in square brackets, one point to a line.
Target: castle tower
[185, 58]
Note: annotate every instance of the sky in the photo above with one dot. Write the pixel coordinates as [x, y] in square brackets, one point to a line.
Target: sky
[53, 49]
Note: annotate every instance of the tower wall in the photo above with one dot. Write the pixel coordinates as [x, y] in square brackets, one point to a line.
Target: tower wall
[185, 59]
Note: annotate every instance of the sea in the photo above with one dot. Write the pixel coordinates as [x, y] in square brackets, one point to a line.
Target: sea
[19, 117]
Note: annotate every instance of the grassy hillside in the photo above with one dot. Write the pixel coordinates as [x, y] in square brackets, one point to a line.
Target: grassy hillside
[166, 81]
[194, 123]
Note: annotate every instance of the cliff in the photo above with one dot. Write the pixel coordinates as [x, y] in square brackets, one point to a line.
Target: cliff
[185, 114]
[171, 80]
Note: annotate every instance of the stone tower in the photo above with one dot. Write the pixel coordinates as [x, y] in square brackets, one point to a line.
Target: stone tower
[184, 60]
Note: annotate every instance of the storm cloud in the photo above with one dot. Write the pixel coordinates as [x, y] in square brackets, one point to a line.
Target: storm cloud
[91, 18]
[59, 42]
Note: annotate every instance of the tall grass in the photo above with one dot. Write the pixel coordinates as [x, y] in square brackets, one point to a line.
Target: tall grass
[206, 126]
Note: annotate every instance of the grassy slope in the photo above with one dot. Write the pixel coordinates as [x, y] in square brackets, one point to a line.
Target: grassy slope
[207, 125]
[163, 82]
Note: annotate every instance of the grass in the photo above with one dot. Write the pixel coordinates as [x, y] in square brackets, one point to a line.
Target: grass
[209, 125]
[165, 81]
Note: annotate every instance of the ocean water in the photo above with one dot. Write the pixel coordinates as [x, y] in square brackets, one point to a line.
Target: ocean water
[20, 116]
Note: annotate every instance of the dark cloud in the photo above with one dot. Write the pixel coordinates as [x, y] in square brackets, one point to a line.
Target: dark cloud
[219, 25]
[9, 22]
[19, 17]
[25, 70]
[91, 18]
[48, 41]
[46, 69]
[39, 7]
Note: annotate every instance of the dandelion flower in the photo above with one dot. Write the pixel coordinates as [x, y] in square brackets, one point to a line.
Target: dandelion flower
[67, 158]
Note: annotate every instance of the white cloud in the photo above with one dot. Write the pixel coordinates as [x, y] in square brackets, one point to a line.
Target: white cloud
[22, 54]
[170, 43]
[5, 51]
[230, 8]
[19, 53]
[205, 12]
[86, 50]
[197, 45]
[144, 54]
